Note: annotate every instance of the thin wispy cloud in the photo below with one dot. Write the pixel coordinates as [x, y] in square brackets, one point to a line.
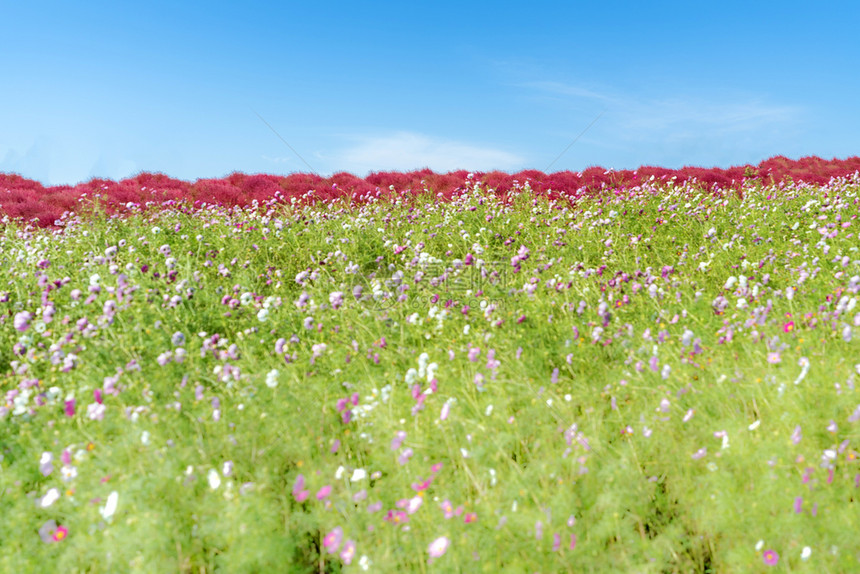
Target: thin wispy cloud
[675, 130]
[677, 117]
[401, 151]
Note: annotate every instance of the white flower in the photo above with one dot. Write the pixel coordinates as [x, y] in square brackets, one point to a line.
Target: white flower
[754, 426]
[339, 472]
[272, 379]
[411, 375]
[50, 498]
[214, 479]
[107, 511]
[144, 437]
[805, 553]
[414, 504]
[68, 472]
[364, 562]
[263, 315]
[358, 474]
[759, 545]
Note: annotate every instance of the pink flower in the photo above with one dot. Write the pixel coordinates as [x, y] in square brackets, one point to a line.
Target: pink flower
[470, 517]
[396, 516]
[770, 557]
[348, 552]
[438, 547]
[323, 492]
[447, 508]
[333, 539]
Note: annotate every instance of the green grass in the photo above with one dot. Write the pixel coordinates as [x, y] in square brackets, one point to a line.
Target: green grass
[564, 437]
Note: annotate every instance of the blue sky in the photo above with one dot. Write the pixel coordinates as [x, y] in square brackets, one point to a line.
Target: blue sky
[110, 89]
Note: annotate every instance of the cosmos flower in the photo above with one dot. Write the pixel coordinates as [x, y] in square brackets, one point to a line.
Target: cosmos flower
[438, 547]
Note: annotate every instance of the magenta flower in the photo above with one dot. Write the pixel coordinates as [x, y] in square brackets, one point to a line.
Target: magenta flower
[69, 408]
[770, 557]
[323, 492]
[798, 505]
[333, 539]
[396, 517]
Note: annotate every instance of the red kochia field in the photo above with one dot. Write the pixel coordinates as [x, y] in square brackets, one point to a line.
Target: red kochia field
[25, 199]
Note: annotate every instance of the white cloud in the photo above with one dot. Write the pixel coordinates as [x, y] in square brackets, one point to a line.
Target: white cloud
[404, 151]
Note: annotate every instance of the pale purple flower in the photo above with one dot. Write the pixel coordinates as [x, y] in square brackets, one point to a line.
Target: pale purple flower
[446, 408]
[46, 465]
[398, 439]
[700, 453]
[405, 456]
[374, 507]
[47, 531]
[796, 435]
[22, 320]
